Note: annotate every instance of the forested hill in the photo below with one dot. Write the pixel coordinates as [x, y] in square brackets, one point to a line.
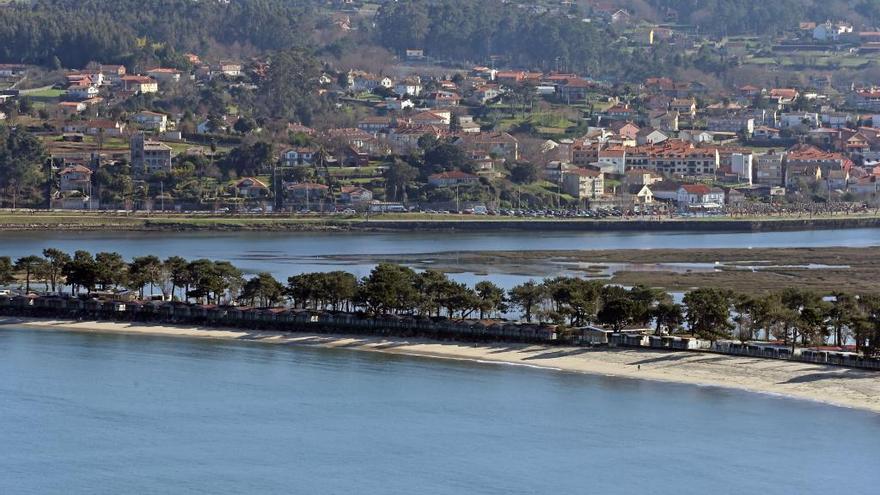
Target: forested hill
[465, 30]
[757, 16]
[73, 32]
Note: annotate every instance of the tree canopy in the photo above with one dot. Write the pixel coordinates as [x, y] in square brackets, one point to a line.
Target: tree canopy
[77, 32]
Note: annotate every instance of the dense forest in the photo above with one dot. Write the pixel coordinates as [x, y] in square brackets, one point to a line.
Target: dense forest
[461, 30]
[71, 33]
[727, 17]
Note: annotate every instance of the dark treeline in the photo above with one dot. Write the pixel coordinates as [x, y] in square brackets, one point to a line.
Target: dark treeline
[72, 33]
[792, 316]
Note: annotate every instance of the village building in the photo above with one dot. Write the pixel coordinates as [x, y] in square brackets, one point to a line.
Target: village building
[452, 178]
[139, 84]
[164, 75]
[250, 187]
[149, 157]
[300, 156]
[75, 178]
[355, 195]
[769, 169]
[151, 121]
[701, 196]
[583, 183]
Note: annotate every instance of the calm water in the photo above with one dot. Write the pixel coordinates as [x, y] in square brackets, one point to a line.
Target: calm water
[285, 254]
[87, 414]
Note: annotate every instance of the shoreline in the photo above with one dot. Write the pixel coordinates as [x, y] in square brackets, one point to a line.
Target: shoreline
[841, 387]
[86, 222]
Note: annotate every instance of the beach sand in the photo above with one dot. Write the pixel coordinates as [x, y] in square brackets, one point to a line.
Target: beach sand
[845, 387]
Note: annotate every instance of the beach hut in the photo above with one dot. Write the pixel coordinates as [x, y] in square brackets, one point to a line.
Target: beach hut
[592, 335]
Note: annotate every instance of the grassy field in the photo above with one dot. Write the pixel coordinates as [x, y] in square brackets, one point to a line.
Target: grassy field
[45, 95]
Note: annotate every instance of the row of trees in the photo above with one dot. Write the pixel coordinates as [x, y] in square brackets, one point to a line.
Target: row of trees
[175, 277]
[791, 315]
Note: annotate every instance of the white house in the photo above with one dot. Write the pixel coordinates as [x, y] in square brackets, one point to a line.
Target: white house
[411, 86]
[699, 196]
[741, 165]
[831, 31]
[397, 104]
[612, 160]
[151, 121]
[798, 119]
[299, 156]
[82, 91]
[695, 136]
[650, 136]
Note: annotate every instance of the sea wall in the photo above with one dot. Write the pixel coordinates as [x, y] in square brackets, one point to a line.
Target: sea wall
[683, 225]
[270, 223]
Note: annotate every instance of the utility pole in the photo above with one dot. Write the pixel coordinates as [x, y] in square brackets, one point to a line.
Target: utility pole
[162, 194]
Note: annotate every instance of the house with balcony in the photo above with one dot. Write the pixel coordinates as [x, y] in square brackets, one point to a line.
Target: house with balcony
[583, 183]
[300, 156]
[151, 121]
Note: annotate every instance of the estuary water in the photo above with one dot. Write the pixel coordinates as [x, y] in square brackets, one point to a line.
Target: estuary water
[96, 414]
[285, 254]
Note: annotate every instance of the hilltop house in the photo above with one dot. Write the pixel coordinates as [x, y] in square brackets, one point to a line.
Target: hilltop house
[74, 178]
[151, 121]
[82, 91]
[139, 84]
[783, 96]
[149, 157]
[250, 187]
[292, 157]
[164, 75]
[442, 99]
[481, 144]
[452, 178]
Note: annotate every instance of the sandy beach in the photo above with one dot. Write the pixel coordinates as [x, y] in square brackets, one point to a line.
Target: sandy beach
[853, 388]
